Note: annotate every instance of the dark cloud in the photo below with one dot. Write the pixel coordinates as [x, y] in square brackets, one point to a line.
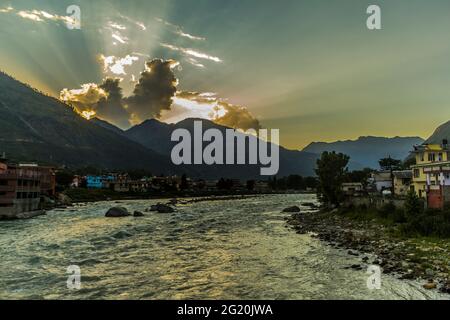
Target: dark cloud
[111, 106]
[153, 93]
[154, 90]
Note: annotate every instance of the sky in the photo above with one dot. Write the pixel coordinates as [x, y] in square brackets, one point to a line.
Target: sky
[311, 69]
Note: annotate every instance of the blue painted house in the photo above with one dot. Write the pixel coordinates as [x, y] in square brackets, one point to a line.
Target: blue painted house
[98, 182]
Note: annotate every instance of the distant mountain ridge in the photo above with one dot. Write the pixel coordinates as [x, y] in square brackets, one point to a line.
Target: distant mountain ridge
[150, 133]
[367, 150]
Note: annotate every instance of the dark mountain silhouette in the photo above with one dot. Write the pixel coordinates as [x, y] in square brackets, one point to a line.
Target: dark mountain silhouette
[106, 125]
[36, 127]
[365, 152]
[153, 134]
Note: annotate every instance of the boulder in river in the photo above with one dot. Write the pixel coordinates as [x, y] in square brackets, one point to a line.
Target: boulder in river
[292, 209]
[138, 214]
[162, 208]
[430, 285]
[117, 212]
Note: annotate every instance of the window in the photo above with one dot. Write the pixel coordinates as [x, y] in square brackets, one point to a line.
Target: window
[416, 173]
[440, 156]
[432, 157]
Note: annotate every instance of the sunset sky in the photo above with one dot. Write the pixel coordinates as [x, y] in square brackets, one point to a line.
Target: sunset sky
[309, 68]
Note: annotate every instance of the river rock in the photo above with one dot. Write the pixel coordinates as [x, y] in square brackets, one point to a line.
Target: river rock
[117, 212]
[445, 288]
[430, 285]
[64, 199]
[138, 214]
[162, 208]
[292, 209]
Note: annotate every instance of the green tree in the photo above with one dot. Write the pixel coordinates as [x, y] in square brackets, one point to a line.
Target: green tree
[64, 178]
[184, 183]
[251, 185]
[331, 170]
[389, 164]
[413, 205]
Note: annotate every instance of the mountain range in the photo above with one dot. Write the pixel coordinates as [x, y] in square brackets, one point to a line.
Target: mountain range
[366, 151]
[37, 127]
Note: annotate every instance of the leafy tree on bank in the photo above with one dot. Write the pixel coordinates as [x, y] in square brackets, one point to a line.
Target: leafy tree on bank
[184, 183]
[413, 206]
[331, 170]
[64, 178]
[390, 164]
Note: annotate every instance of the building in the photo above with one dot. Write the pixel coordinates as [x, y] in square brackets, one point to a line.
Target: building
[402, 182]
[431, 173]
[262, 186]
[76, 181]
[99, 182]
[20, 190]
[48, 181]
[352, 188]
[382, 180]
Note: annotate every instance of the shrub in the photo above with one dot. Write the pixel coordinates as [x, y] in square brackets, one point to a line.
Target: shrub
[413, 206]
[387, 210]
[434, 223]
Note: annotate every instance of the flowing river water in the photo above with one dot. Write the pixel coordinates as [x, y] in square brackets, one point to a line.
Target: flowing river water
[227, 249]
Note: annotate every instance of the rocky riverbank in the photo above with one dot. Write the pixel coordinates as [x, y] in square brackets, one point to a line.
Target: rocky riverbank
[427, 260]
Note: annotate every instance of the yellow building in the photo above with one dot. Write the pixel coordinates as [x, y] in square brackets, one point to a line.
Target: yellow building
[431, 173]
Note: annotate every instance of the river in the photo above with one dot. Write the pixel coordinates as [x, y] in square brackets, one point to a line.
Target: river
[228, 249]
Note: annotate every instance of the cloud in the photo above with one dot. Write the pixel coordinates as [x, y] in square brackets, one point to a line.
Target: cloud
[111, 107]
[154, 90]
[104, 101]
[236, 117]
[195, 62]
[41, 16]
[179, 30]
[117, 36]
[116, 65]
[208, 106]
[84, 99]
[155, 95]
[30, 16]
[191, 52]
[141, 25]
[116, 26]
[6, 10]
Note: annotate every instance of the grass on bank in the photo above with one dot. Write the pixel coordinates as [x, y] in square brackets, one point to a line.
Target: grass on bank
[410, 222]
